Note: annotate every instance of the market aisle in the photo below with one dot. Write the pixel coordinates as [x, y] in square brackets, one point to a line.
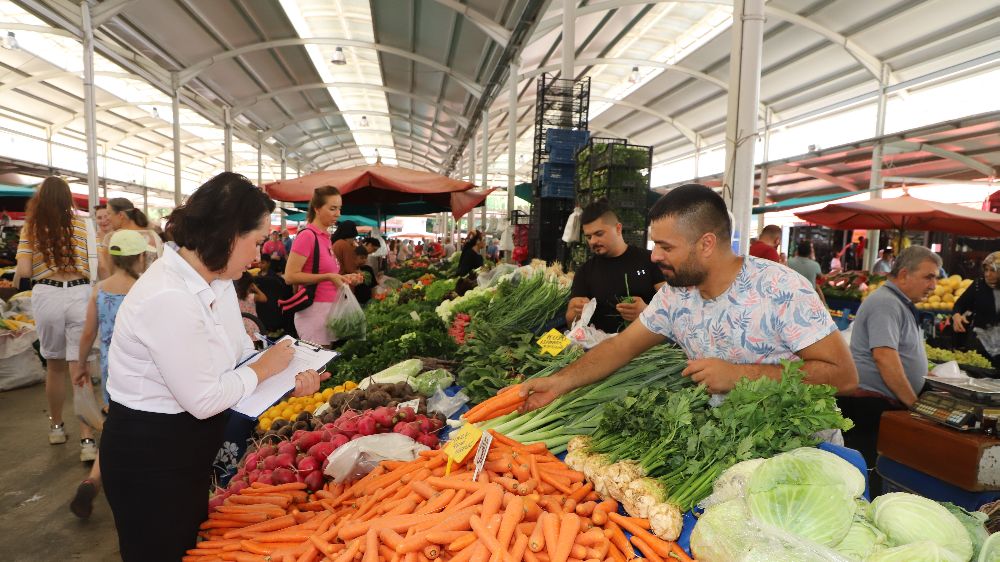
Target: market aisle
[37, 483]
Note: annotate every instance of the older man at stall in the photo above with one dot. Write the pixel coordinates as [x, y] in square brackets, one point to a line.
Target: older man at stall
[888, 349]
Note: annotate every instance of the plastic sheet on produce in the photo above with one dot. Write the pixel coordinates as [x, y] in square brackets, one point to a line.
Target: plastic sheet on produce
[357, 458]
[20, 370]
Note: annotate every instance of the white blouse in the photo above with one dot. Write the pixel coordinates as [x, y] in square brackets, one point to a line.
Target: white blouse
[177, 343]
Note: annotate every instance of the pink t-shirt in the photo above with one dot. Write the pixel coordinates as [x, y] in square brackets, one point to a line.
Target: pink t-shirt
[303, 245]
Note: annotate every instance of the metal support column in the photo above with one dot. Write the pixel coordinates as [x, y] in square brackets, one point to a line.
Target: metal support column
[515, 70]
[260, 158]
[762, 193]
[470, 218]
[568, 70]
[741, 123]
[284, 168]
[175, 114]
[486, 165]
[697, 157]
[876, 182]
[227, 140]
[145, 186]
[89, 104]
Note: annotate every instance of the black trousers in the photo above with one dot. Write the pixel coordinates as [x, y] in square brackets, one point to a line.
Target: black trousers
[156, 470]
[866, 412]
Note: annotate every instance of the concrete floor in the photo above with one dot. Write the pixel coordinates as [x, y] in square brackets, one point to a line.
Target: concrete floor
[37, 483]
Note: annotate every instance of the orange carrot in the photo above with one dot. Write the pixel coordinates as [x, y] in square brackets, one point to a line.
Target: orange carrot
[432, 551]
[443, 483]
[550, 529]
[536, 542]
[568, 529]
[617, 538]
[581, 492]
[492, 501]
[628, 524]
[445, 537]
[438, 502]
[269, 525]
[461, 543]
[645, 549]
[585, 509]
[511, 517]
[487, 538]
[548, 479]
[371, 546]
[519, 548]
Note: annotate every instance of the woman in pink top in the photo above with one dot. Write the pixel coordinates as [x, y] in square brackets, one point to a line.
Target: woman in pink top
[324, 210]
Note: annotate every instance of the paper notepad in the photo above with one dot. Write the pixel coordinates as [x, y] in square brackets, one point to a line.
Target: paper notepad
[307, 356]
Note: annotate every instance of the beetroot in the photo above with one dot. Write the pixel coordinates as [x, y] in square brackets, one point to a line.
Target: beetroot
[282, 476]
[367, 426]
[428, 439]
[307, 440]
[286, 448]
[308, 464]
[270, 463]
[321, 451]
[314, 480]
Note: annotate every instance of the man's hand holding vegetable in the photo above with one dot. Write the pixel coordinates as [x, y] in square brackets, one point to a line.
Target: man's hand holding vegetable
[630, 311]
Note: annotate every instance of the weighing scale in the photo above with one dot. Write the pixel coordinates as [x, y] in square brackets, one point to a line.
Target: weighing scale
[961, 404]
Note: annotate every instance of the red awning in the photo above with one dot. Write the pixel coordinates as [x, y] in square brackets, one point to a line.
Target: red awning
[906, 213]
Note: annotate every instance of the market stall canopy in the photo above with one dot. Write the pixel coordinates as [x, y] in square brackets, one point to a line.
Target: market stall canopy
[906, 213]
[14, 200]
[382, 190]
[299, 215]
[413, 235]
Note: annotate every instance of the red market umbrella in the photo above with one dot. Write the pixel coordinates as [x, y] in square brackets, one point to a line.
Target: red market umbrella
[388, 190]
[906, 213]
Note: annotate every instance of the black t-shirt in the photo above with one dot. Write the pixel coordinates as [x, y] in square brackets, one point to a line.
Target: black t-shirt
[469, 260]
[604, 279]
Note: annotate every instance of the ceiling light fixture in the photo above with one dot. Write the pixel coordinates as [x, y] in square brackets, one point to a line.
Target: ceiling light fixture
[338, 56]
[156, 113]
[364, 121]
[10, 42]
[634, 76]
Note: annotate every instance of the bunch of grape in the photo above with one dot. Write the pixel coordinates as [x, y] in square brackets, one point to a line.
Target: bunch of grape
[971, 358]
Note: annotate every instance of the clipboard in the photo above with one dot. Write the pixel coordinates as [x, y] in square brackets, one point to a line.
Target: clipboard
[307, 356]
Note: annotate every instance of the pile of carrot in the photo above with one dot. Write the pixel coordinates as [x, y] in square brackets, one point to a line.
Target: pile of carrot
[525, 506]
[496, 406]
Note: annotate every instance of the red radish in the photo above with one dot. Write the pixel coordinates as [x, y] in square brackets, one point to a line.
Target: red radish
[406, 429]
[406, 414]
[286, 447]
[329, 426]
[265, 451]
[270, 463]
[236, 485]
[339, 440]
[356, 437]
[308, 464]
[298, 433]
[367, 426]
[321, 451]
[282, 476]
[428, 439]
[300, 477]
[383, 416]
[329, 434]
[314, 480]
[307, 440]
[286, 460]
[425, 424]
[252, 476]
[250, 460]
[265, 477]
[216, 502]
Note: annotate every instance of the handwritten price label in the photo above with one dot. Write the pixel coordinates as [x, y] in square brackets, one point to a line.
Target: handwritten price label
[553, 342]
[462, 443]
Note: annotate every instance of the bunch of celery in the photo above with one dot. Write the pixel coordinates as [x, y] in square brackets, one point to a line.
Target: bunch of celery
[579, 412]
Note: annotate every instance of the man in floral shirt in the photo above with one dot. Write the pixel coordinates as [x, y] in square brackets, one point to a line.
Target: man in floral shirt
[734, 316]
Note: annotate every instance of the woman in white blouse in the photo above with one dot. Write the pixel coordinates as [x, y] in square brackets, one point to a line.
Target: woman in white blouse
[176, 366]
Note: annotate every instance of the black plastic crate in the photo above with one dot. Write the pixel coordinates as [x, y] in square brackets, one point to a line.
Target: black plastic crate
[603, 152]
[519, 217]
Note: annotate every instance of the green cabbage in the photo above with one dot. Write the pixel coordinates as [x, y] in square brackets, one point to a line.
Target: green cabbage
[920, 551]
[862, 540]
[807, 492]
[974, 523]
[428, 382]
[908, 518]
[990, 551]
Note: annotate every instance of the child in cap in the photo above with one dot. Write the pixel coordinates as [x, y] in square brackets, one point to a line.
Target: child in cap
[127, 249]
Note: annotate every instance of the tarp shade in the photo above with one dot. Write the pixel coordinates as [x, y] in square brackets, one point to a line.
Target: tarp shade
[906, 213]
[803, 201]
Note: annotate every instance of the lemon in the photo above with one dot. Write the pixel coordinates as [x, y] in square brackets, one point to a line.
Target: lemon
[327, 393]
[965, 283]
[288, 413]
[955, 279]
[350, 385]
[934, 299]
[338, 389]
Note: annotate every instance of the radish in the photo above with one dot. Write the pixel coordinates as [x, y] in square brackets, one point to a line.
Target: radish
[298, 433]
[339, 440]
[348, 428]
[265, 477]
[314, 480]
[321, 451]
[356, 437]
[329, 434]
[282, 476]
[406, 429]
[286, 447]
[367, 426]
[308, 464]
[236, 485]
[329, 426]
[270, 463]
[252, 476]
[425, 424]
[405, 414]
[216, 503]
[428, 439]
[383, 416]
[265, 451]
[250, 460]
[286, 460]
[307, 440]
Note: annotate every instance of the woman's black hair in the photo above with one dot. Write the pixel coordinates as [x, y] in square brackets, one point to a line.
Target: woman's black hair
[472, 240]
[215, 215]
[243, 285]
[345, 230]
[122, 205]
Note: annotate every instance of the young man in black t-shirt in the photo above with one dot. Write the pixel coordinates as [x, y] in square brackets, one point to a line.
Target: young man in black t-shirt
[614, 266]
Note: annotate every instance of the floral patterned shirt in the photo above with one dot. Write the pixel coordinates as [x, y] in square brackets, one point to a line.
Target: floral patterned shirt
[768, 314]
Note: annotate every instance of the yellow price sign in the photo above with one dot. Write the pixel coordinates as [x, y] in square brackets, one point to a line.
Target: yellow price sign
[462, 443]
[553, 342]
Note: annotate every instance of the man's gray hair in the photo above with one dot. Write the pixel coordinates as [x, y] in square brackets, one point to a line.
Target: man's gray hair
[911, 258]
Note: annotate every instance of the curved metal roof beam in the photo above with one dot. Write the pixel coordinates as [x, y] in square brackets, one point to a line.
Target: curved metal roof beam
[42, 77]
[242, 107]
[391, 115]
[868, 61]
[327, 163]
[140, 129]
[492, 29]
[427, 159]
[631, 62]
[58, 127]
[185, 75]
[813, 173]
[907, 146]
[343, 132]
[11, 26]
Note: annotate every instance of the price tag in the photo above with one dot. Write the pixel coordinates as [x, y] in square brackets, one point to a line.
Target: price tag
[412, 404]
[553, 342]
[462, 443]
[480, 459]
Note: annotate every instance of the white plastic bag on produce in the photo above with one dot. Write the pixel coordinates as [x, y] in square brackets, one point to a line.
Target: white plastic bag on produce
[582, 333]
[447, 405]
[20, 370]
[85, 406]
[949, 370]
[357, 458]
[346, 319]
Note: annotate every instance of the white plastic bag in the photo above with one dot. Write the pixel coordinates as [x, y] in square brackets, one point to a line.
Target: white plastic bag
[86, 408]
[507, 239]
[357, 458]
[20, 370]
[990, 338]
[346, 319]
[572, 231]
[446, 405]
[582, 333]
[949, 370]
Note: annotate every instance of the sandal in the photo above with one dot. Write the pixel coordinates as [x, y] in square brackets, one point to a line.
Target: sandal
[83, 503]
